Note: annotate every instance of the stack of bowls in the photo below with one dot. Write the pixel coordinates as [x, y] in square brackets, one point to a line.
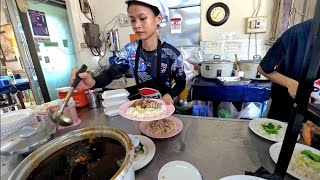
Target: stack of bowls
[13, 121]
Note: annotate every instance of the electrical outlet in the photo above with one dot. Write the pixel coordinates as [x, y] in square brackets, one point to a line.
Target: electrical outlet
[83, 45]
[256, 24]
[124, 21]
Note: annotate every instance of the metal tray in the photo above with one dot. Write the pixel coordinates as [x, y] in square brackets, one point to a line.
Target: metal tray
[233, 81]
[16, 145]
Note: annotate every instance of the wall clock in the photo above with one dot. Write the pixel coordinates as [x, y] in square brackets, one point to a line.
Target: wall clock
[218, 13]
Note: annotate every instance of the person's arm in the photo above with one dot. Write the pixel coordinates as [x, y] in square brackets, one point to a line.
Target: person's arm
[282, 80]
[179, 77]
[269, 64]
[120, 66]
[109, 75]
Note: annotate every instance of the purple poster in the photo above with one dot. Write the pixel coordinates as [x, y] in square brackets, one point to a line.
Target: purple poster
[38, 23]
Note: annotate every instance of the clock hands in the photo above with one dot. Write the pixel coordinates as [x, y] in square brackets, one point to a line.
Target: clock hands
[218, 14]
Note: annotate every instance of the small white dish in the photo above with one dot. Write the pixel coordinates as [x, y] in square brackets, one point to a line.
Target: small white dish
[27, 131]
[149, 149]
[256, 127]
[274, 152]
[135, 141]
[241, 177]
[179, 170]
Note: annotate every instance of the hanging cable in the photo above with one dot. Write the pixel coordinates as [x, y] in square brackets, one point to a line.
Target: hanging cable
[94, 53]
[105, 51]
[91, 13]
[249, 46]
[257, 9]
[70, 53]
[88, 18]
[254, 14]
[256, 43]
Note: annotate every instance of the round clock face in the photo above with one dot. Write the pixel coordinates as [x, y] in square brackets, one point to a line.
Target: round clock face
[218, 14]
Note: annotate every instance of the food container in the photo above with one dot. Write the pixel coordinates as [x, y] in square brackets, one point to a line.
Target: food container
[92, 96]
[216, 68]
[311, 134]
[78, 96]
[114, 104]
[42, 157]
[114, 95]
[250, 68]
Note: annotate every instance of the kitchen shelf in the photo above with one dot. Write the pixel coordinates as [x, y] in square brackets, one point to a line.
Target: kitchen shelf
[314, 113]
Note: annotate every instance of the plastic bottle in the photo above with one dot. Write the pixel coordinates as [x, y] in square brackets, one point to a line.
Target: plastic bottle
[11, 76]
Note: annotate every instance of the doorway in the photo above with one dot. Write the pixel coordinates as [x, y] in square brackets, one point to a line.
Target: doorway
[17, 86]
[52, 37]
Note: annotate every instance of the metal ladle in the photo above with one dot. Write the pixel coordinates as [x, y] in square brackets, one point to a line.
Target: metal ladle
[57, 116]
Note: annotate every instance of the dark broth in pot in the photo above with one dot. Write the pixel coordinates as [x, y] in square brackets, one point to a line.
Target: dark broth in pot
[96, 158]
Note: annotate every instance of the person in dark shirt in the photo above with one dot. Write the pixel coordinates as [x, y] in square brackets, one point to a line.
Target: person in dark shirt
[283, 65]
[153, 63]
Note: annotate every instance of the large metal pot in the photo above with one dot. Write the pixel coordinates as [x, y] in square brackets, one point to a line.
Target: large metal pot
[249, 67]
[126, 172]
[216, 68]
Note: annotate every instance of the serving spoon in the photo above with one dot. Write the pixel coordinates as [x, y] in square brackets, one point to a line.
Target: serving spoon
[57, 116]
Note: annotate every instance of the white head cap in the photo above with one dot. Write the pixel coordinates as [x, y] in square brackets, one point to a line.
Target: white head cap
[161, 5]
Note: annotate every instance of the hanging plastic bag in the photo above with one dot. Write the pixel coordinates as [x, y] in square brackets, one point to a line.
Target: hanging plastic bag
[250, 112]
[227, 110]
[191, 55]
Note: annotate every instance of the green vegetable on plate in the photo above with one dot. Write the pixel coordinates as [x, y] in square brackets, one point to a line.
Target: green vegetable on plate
[270, 128]
[311, 155]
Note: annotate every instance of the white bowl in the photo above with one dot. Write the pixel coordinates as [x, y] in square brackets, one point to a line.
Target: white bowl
[15, 120]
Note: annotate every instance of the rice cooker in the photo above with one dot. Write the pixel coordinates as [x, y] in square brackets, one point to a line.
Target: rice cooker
[250, 68]
[216, 68]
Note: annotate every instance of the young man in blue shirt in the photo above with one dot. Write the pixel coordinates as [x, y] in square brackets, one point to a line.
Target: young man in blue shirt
[283, 65]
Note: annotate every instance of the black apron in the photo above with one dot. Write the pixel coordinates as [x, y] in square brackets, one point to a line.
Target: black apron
[155, 82]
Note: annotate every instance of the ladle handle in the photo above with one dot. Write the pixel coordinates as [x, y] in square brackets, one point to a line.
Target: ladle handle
[75, 83]
[77, 80]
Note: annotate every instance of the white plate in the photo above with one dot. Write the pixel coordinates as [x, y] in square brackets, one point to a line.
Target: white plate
[124, 108]
[256, 123]
[179, 170]
[274, 152]
[149, 151]
[242, 177]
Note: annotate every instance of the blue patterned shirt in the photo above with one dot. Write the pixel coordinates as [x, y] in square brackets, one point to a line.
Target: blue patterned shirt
[170, 58]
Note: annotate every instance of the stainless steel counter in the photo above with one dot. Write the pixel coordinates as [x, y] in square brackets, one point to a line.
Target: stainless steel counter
[216, 147]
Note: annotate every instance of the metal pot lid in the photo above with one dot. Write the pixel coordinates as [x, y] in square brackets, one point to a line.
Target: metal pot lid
[250, 61]
[24, 142]
[256, 60]
[217, 62]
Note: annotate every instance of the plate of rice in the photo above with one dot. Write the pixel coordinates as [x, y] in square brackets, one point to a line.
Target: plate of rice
[164, 128]
[270, 129]
[146, 110]
[304, 163]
